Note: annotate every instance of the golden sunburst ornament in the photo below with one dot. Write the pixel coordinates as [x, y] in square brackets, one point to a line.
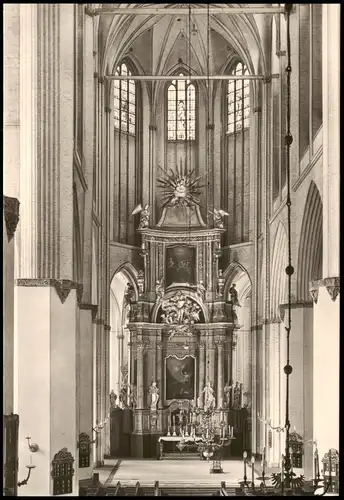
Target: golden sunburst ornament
[180, 188]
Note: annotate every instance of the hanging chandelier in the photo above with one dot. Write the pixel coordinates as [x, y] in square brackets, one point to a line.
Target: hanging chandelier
[287, 482]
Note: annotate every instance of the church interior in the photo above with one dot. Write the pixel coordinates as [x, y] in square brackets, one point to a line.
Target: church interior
[171, 249]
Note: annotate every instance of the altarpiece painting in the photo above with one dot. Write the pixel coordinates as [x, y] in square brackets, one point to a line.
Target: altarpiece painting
[180, 377]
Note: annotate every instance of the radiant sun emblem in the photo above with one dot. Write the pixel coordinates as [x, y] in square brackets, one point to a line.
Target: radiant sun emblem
[180, 187]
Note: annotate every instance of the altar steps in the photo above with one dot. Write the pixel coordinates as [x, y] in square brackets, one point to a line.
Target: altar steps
[179, 455]
[194, 491]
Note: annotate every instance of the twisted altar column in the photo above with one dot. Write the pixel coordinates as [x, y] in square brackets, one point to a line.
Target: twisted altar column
[201, 373]
[140, 381]
[220, 360]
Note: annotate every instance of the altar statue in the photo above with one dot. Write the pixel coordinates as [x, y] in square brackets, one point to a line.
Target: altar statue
[219, 217]
[132, 395]
[154, 392]
[234, 296]
[209, 398]
[144, 215]
[201, 290]
[227, 393]
[237, 390]
[129, 293]
[113, 399]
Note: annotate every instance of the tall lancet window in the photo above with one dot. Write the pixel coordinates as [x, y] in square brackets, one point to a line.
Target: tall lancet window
[181, 111]
[238, 101]
[124, 101]
[125, 145]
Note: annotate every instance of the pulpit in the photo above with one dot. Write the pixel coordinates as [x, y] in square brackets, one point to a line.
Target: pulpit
[181, 326]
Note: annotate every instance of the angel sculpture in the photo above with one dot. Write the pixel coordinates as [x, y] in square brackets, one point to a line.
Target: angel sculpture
[144, 215]
[218, 217]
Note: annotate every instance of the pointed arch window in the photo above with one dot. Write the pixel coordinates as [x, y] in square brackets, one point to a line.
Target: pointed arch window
[124, 100]
[181, 110]
[238, 101]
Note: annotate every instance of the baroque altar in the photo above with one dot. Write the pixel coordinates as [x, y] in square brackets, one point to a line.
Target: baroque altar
[182, 326]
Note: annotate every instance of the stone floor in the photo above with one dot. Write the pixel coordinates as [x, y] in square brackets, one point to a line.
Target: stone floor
[170, 472]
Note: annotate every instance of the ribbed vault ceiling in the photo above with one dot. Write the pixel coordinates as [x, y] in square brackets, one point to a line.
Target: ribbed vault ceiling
[244, 35]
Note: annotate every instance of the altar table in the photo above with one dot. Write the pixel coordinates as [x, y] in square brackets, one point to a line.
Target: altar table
[176, 439]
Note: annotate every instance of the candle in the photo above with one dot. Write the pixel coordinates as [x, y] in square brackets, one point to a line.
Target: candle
[221, 416]
[317, 462]
[223, 432]
[30, 459]
[244, 457]
[282, 471]
[291, 459]
[252, 463]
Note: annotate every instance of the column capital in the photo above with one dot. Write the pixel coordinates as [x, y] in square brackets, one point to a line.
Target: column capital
[210, 126]
[332, 285]
[107, 109]
[219, 343]
[201, 345]
[90, 307]
[11, 214]
[62, 287]
[152, 127]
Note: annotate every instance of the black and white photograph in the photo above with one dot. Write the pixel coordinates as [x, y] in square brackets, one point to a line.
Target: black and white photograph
[171, 227]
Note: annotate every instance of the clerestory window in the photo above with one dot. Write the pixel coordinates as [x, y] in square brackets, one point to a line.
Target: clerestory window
[124, 101]
[238, 101]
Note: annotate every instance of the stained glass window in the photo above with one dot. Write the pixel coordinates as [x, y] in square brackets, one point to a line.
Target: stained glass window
[124, 101]
[238, 101]
[181, 111]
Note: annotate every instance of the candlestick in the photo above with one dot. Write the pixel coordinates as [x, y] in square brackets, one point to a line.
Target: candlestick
[282, 474]
[244, 457]
[252, 465]
[317, 463]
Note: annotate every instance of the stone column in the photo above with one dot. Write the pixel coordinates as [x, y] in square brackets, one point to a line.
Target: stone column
[98, 386]
[107, 329]
[220, 374]
[11, 217]
[120, 359]
[151, 189]
[46, 328]
[325, 292]
[159, 370]
[86, 378]
[201, 381]
[140, 378]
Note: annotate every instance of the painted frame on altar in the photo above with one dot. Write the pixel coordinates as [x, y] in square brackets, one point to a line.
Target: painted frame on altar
[180, 377]
[180, 264]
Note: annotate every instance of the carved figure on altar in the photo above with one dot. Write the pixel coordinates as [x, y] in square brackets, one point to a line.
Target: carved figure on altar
[132, 395]
[159, 290]
[247, 400]
[129, 293]
[154, 393]
[234, 296]
[219, 216]
[237, 391]
[140, 281]
[227, 390]
[209, 398]
[201, 290]
[113, 399]
[144, 215]
[123, 395]
[181, 313]
[220, 284]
